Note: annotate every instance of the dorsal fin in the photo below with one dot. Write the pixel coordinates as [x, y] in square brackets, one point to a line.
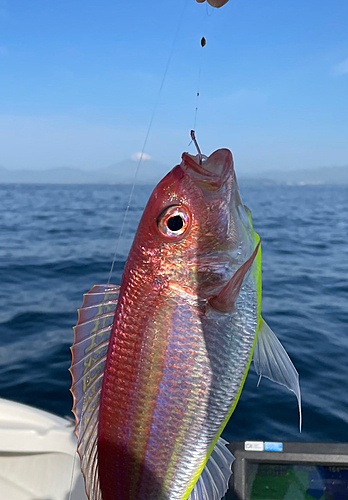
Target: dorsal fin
[92, 335]
[212, 484]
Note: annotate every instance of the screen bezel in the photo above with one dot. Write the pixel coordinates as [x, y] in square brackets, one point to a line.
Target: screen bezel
[317, 454]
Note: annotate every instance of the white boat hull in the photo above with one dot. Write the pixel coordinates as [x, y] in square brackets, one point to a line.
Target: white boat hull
[38, 459]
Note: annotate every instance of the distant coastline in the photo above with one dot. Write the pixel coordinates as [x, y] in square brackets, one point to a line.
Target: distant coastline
[152, 171]
[332, 176]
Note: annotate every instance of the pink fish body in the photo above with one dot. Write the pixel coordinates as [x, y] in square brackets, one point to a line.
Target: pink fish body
[159, 363]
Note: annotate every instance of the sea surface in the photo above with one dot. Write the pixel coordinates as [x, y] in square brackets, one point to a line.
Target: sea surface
[57, 241]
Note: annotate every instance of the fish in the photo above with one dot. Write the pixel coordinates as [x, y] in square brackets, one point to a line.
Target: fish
[159, 362]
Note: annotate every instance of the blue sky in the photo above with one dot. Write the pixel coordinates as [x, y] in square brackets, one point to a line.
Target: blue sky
[79, 79]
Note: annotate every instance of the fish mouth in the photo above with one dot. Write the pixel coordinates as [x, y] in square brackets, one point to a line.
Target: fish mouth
[210, 173]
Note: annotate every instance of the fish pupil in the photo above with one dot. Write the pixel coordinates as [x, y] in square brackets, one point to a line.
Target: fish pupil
[175, 223]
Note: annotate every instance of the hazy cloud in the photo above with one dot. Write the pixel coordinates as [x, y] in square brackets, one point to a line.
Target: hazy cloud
[143, 156]
[340, 68]
[41, 142]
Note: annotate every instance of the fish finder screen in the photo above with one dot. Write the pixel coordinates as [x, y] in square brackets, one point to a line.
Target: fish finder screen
[267, 481]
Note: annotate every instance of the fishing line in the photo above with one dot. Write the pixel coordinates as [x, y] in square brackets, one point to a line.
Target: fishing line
[72, 476]
[203, 43]
[176, 34]
[198, 83]
[209, 12]
[147, 134]
[75, 454]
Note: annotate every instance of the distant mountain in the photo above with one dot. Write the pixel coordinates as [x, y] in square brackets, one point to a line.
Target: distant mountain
[123, 172]
[150, 172]
[316, 176]
[63, 175]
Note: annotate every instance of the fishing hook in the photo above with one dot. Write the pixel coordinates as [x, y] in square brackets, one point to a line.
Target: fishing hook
[193, 137]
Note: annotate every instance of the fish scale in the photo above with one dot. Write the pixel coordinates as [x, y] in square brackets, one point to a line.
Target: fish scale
[153, 392]
[185, 421]
[229, 366]
[133, 409]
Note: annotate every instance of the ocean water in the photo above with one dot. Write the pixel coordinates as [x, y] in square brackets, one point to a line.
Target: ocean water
[56, 242]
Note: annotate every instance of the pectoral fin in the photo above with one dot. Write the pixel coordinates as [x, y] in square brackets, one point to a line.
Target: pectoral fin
[272, 361]
[212, 484]
[227, 297]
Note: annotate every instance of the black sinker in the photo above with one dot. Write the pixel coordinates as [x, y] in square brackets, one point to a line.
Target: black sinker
[175, 223]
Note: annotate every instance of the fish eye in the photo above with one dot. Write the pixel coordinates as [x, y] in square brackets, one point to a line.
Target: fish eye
[174, 222]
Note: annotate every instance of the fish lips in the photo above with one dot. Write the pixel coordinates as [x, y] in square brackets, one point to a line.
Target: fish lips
[209, 173]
